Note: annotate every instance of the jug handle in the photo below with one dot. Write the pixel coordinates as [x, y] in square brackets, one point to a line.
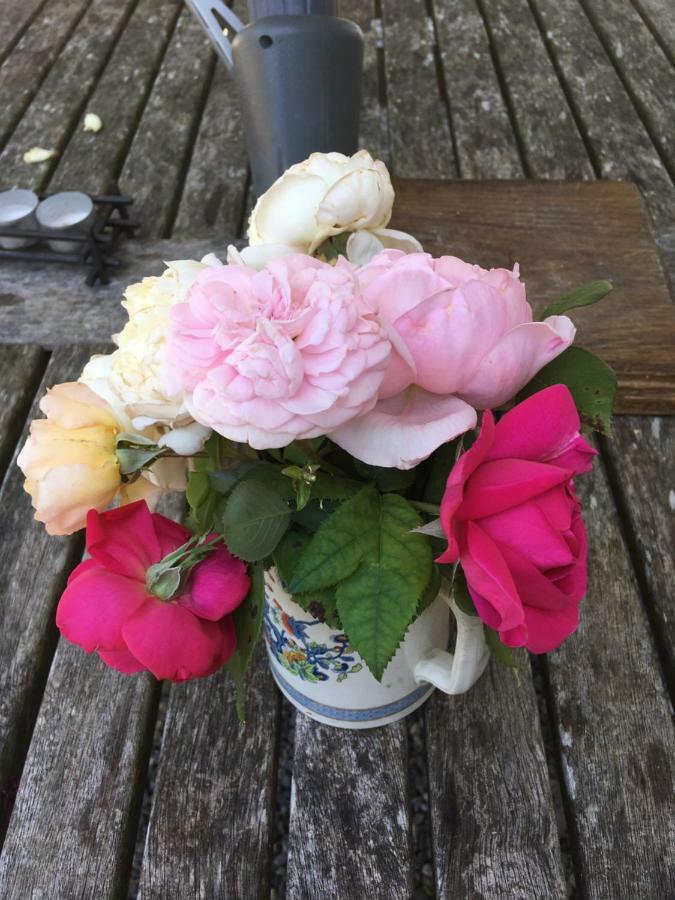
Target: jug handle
[208, 12]
[455, 673]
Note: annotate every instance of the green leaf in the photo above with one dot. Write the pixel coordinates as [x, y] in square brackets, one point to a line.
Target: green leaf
[386, 479]
[201, 499]
[431, 590]
[247, 623]
[398, 548]
[500, 652]
[375, 607]
[133, 459]
[254, 521]
[339, 543]
[288, 551]
[334, 487]
[461, 595]
[440, 464]
[224, 481]
[315, 514]
[591, 382]
[586, 295]
[322, 605]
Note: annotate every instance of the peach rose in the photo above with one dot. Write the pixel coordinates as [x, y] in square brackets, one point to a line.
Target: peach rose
[69, 459]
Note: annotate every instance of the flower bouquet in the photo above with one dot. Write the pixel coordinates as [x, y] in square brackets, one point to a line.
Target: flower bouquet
[370, 440]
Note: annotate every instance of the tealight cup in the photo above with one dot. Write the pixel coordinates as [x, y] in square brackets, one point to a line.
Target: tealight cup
[68, 211]
[17, 210]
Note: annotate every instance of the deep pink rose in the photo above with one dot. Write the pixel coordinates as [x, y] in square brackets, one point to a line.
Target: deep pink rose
[513, 521]
[107, 607]
[268, 357]
[462, 339]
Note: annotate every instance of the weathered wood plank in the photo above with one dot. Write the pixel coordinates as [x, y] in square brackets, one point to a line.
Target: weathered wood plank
[562, 233]
[640, 457]
[645, 70]
[91, 160]
[154, 167]
[33, 570]
[373, 122]
[419, 131]
[616, 739]
[613, 129]
[72, 830]
[62, 96]
[212, 820]
[486, 144]
[551, 143]
[659, 16]
[214, 192]
[27, 65]
[16, 17]
[349, 832]
[492, 814]
[21, 369]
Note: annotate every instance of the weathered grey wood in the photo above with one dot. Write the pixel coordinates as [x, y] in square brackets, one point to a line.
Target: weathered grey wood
[56, 107]
[616, 738]
[21, 369]
[72, 830]
[212, 820]
[373, 122]
[419, 132]
[484, 136]
[645, 71]
[16, 17]
[613, 128]
[349, 832]
[658, 14]
[154, 167]
[26, 66]
[641, 460]
[551, 143]
[91, 160]
[214, 192]
[492, 815]
[33, 569]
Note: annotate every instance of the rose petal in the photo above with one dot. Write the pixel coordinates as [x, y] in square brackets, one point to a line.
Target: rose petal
[503, 483]
[217, 586]
[122, 661]
[490, 582]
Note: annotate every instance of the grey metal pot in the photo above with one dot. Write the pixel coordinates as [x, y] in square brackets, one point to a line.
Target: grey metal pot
[297, 67]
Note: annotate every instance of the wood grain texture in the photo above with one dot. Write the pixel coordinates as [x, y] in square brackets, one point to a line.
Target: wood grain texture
[72, 830]
[33, 570]
[21, 369]
[486, 757]
[616, 738]
[551, 142]
[349, 831]
[564, 234]
[658, 14]
[91, 160]
[420, 143]
[28, 63]
[16, 17]
[373, 127]
[644, 69]
[210, 831]
[154, 167]
[613, 128]
[640, 458]
[61, 98]
[214, 192]
[486, 143]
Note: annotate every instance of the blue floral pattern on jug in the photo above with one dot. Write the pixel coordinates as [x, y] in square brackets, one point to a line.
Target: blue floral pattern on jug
[288, 640]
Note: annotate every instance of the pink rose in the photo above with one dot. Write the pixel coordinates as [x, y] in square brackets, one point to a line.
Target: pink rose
[108, 608]
[514, 522]
[268, 357]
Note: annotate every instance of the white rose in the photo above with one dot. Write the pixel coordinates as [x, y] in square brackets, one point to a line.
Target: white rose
[131, 379]
[325, 195]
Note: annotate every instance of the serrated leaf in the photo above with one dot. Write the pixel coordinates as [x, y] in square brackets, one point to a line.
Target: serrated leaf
[315, 514]
[398, 548]
[375, 607]
[334, 487]
[201, 499]
[322, 605]
[339, 543]
[247, 623]
[430, 591]
[133, 459]
[585, 295]
[386, 479]
[591, 382]
[288, 551]
[254, 521]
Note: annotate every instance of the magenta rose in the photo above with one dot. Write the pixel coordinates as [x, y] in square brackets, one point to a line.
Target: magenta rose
[513, 521]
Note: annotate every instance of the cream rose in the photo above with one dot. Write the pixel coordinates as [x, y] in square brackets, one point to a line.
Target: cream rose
[132, 378]
[325, 195]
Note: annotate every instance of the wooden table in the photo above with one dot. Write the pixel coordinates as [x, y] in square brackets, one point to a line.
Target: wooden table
[563, 784]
